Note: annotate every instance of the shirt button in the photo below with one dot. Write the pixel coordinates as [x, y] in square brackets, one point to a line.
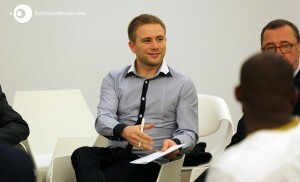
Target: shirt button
[140, 115]
[143, 98]
[146, 82]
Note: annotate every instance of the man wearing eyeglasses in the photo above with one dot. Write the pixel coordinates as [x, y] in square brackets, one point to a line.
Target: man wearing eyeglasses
[280, 37]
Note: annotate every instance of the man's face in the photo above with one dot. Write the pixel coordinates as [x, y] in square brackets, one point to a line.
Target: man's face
[282, 36]
[149, 46]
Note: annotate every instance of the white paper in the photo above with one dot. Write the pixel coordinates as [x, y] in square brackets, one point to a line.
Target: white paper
[156, 155]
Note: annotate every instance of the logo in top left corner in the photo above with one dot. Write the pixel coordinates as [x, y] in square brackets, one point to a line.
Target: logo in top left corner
[22, 13]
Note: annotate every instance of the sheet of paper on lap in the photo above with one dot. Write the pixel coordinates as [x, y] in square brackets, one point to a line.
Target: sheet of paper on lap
[156, 155]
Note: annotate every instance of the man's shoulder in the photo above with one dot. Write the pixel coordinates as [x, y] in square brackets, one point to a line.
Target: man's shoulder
[178, 75]
[262, 146]
[258, 145]
[123, 70]
[119, 72]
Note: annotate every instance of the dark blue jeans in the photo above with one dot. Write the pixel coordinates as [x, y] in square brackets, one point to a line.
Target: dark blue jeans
[94, 164]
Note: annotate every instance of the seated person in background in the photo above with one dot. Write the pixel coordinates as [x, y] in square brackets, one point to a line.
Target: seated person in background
[13, 129]
[148, 89]
[270, 152]
[280, 37]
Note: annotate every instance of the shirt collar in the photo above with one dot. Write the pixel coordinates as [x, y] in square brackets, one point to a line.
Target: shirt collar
[163, 70]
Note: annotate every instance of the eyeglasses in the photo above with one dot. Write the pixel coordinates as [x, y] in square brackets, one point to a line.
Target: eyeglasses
[284, 48]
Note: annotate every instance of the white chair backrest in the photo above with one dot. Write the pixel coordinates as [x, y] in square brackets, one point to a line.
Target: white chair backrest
[212, 111]
[66, 145]
[53, 114]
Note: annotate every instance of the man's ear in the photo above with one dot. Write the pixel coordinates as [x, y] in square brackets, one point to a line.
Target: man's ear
[131, 46]
[238, 93]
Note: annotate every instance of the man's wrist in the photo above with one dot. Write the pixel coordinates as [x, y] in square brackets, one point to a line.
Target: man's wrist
[118, 129]
[177, 141]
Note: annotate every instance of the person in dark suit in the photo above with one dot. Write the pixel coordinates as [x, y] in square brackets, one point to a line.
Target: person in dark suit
[280, 37]
[13, 129]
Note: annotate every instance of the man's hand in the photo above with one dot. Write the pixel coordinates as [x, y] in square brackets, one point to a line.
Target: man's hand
[134, 136]
[167, 144]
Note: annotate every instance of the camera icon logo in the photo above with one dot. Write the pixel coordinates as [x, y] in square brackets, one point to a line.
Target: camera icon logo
[22, 13]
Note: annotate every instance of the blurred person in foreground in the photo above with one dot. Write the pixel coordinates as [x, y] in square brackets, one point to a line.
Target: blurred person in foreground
[270, 151]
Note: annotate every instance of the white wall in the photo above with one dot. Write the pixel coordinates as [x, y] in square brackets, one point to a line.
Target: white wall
[207, 40]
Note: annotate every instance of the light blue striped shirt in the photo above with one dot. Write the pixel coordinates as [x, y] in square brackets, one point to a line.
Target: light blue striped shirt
[171, 104]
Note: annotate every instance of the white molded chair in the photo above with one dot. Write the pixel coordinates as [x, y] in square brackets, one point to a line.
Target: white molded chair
[213, 111]
[51, 115]
[171, 171]
[62, 170]
[61, 156]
